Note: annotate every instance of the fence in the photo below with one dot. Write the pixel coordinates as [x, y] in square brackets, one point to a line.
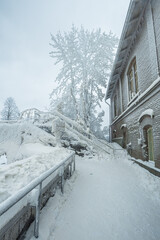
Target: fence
[67, 165]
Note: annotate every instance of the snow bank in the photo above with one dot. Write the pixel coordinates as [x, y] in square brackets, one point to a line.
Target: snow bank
[51, 211]
[80, 128]
[73, 136]
[3, 159]
[16, 175]
[149, 182]
[13, 137]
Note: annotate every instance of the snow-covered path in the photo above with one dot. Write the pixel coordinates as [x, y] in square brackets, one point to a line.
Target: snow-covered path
[110, 199]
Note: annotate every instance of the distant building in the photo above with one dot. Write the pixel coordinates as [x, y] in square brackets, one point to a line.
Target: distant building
[134, 86]
[33, 114]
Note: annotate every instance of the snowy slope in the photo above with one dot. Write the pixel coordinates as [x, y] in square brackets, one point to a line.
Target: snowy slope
[13, 137]
[29, 151]
[18, 174]
[3, 159]
[76, 135]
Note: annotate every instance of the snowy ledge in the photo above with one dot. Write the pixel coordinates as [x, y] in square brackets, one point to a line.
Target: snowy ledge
[148, 165]
[148, 112]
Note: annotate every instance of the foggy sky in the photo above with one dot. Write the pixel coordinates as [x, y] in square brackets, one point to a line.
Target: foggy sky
[27, 73]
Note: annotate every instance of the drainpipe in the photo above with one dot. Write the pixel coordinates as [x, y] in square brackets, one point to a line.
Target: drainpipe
[110, 135]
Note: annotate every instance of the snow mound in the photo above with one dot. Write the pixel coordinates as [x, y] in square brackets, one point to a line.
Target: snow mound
[3, 159]
[14, 136]
[75, 136]
[18, 174]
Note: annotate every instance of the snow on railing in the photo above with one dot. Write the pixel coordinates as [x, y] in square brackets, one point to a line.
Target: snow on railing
[12, 200]
[73, 124]
[8, 121]
[82, 133]
[106, 147]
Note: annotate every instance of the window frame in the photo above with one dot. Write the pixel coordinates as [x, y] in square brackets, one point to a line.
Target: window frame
[132, 76]
[115, 106]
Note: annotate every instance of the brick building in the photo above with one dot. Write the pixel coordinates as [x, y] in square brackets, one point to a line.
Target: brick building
[134, 85]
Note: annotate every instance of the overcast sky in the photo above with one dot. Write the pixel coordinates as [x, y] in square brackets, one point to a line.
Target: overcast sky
[27, 73]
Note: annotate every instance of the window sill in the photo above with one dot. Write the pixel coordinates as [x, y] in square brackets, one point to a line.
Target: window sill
[133, 99]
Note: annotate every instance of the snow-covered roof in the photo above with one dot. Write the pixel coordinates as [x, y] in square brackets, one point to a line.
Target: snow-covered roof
[148, 112]
[133, 21]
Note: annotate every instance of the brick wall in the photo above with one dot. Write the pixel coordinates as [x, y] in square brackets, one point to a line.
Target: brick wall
[156, 16]
[145, 51]
[133, 133]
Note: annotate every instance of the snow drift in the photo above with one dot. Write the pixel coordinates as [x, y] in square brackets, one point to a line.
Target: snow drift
[14, 137]
[18, 174]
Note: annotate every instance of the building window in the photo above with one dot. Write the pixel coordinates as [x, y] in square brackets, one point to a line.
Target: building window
[146, 134]
[115, 105]
[148, 143]
[132, 79]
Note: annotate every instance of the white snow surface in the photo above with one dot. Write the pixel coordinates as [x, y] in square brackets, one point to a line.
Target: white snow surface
[18, 174]
[13, 138]
[148, 112]
[3, 159]
[29, 152]
[108, 197]
[123, 126]
[150, 163]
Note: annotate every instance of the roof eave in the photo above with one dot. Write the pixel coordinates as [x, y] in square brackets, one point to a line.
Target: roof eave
[120, 49]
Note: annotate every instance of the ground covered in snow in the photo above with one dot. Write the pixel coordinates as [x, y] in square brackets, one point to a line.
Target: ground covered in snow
[17, 175]
[26, 151]
[108, 197]
[14, 137]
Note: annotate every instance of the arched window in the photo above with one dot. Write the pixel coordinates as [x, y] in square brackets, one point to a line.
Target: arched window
[148, 140]
[124, 135]
[146, 131]
[132, 79]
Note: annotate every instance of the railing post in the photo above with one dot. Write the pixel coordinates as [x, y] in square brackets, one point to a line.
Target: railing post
[70, 169]
[74, 163]
[38, 203]
[62, 179]
[68, 172]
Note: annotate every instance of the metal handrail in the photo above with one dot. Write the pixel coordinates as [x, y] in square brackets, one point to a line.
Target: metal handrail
[12, 200]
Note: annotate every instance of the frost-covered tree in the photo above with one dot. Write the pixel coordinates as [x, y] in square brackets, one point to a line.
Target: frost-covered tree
[105, 132]
[66, 94]
[95, 124]
[10, 110]
[86, 58]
